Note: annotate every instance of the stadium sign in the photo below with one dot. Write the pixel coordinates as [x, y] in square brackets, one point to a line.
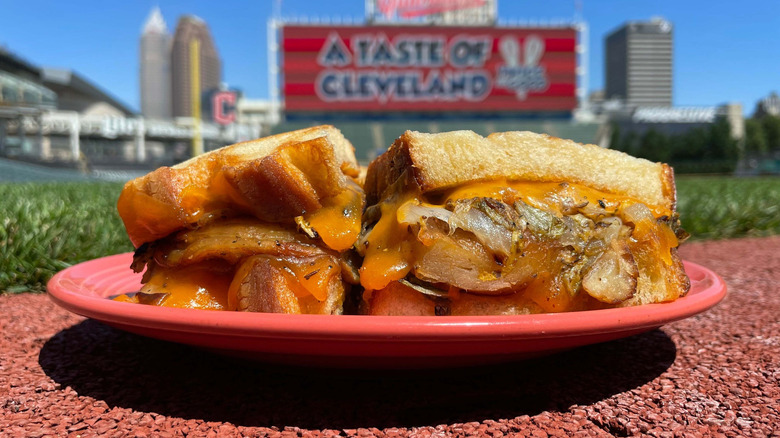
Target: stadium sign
[420, 8]
[223, 107]
[452, 69]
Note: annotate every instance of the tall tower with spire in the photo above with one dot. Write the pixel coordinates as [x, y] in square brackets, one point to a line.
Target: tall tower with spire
[155, 74]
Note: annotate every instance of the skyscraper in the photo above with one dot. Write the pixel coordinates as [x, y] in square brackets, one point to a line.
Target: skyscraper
[155, 74]
[191, 28]
[639, 63]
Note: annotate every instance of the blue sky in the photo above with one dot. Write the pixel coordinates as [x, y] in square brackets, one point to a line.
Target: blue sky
[724, 51]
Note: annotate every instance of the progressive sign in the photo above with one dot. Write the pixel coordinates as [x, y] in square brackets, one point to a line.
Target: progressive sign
[428, 69]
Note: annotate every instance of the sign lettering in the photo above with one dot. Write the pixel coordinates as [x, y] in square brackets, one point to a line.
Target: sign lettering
[223, 107]
[417, 69]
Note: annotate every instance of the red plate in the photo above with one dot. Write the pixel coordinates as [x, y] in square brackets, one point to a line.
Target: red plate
[365, 341]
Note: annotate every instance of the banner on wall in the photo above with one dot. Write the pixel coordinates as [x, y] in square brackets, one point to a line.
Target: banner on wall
[398, 10]
[428, 69]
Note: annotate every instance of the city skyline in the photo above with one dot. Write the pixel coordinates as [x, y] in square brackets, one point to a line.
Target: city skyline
[717, 59]
[639, 61]
[155, 67]
[166, 65]
[189, 28]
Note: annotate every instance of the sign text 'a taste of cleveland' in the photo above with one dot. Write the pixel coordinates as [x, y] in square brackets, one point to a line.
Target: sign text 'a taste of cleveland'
[377, 50]
[409, 68]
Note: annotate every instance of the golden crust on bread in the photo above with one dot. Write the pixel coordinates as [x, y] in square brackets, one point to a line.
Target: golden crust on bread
[263, 284]
[275, 178]
[516, 222]
[258, 226]
[342, 148]
[443, 160]
[289, 182]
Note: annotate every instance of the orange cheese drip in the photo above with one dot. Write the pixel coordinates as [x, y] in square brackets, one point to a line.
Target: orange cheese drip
[191, 287]
[308, 277]
[146, 217]
[545, 195]
[338, 221]
[389, 255]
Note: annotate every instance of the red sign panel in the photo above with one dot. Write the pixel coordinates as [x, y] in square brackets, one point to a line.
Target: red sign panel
[428, 69]
[418, 8]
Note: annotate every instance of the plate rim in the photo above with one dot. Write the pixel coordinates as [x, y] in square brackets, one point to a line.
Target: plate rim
[387, 328]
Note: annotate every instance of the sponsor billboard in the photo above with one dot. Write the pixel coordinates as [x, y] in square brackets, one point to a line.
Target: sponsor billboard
[451, 11]
[428, 69]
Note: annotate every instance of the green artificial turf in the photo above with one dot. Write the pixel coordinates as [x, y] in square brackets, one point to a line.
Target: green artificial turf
[720, 207]
[45, 227]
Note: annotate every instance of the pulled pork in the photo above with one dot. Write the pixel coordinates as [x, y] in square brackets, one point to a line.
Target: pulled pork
[489, 247]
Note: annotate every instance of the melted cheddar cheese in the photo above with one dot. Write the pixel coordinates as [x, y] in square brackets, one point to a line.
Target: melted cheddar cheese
[390, 249]
[308, 277]
[148, 218]
[201, 287]
[307, 283]
[192, 287]
[545, 195]
[338, 221]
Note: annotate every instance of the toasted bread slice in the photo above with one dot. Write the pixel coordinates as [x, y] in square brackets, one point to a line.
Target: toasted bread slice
[264, 284]
[343, 150]
[289, 182]
[445, 160]
[584, 190]
[275, 178]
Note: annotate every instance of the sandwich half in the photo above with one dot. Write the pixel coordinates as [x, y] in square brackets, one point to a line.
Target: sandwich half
[263, 226]
[515, 223]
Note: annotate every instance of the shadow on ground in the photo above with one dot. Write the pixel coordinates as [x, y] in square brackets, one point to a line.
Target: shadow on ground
[147, 375]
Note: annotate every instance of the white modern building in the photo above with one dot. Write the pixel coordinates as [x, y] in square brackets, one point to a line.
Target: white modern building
[155, 67]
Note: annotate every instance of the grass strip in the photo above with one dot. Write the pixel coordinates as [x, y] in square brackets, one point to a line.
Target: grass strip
[46, 227]
[720, 207]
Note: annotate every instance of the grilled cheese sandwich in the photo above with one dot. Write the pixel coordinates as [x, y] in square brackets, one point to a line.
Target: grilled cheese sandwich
[257, 226]
[516, 223]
